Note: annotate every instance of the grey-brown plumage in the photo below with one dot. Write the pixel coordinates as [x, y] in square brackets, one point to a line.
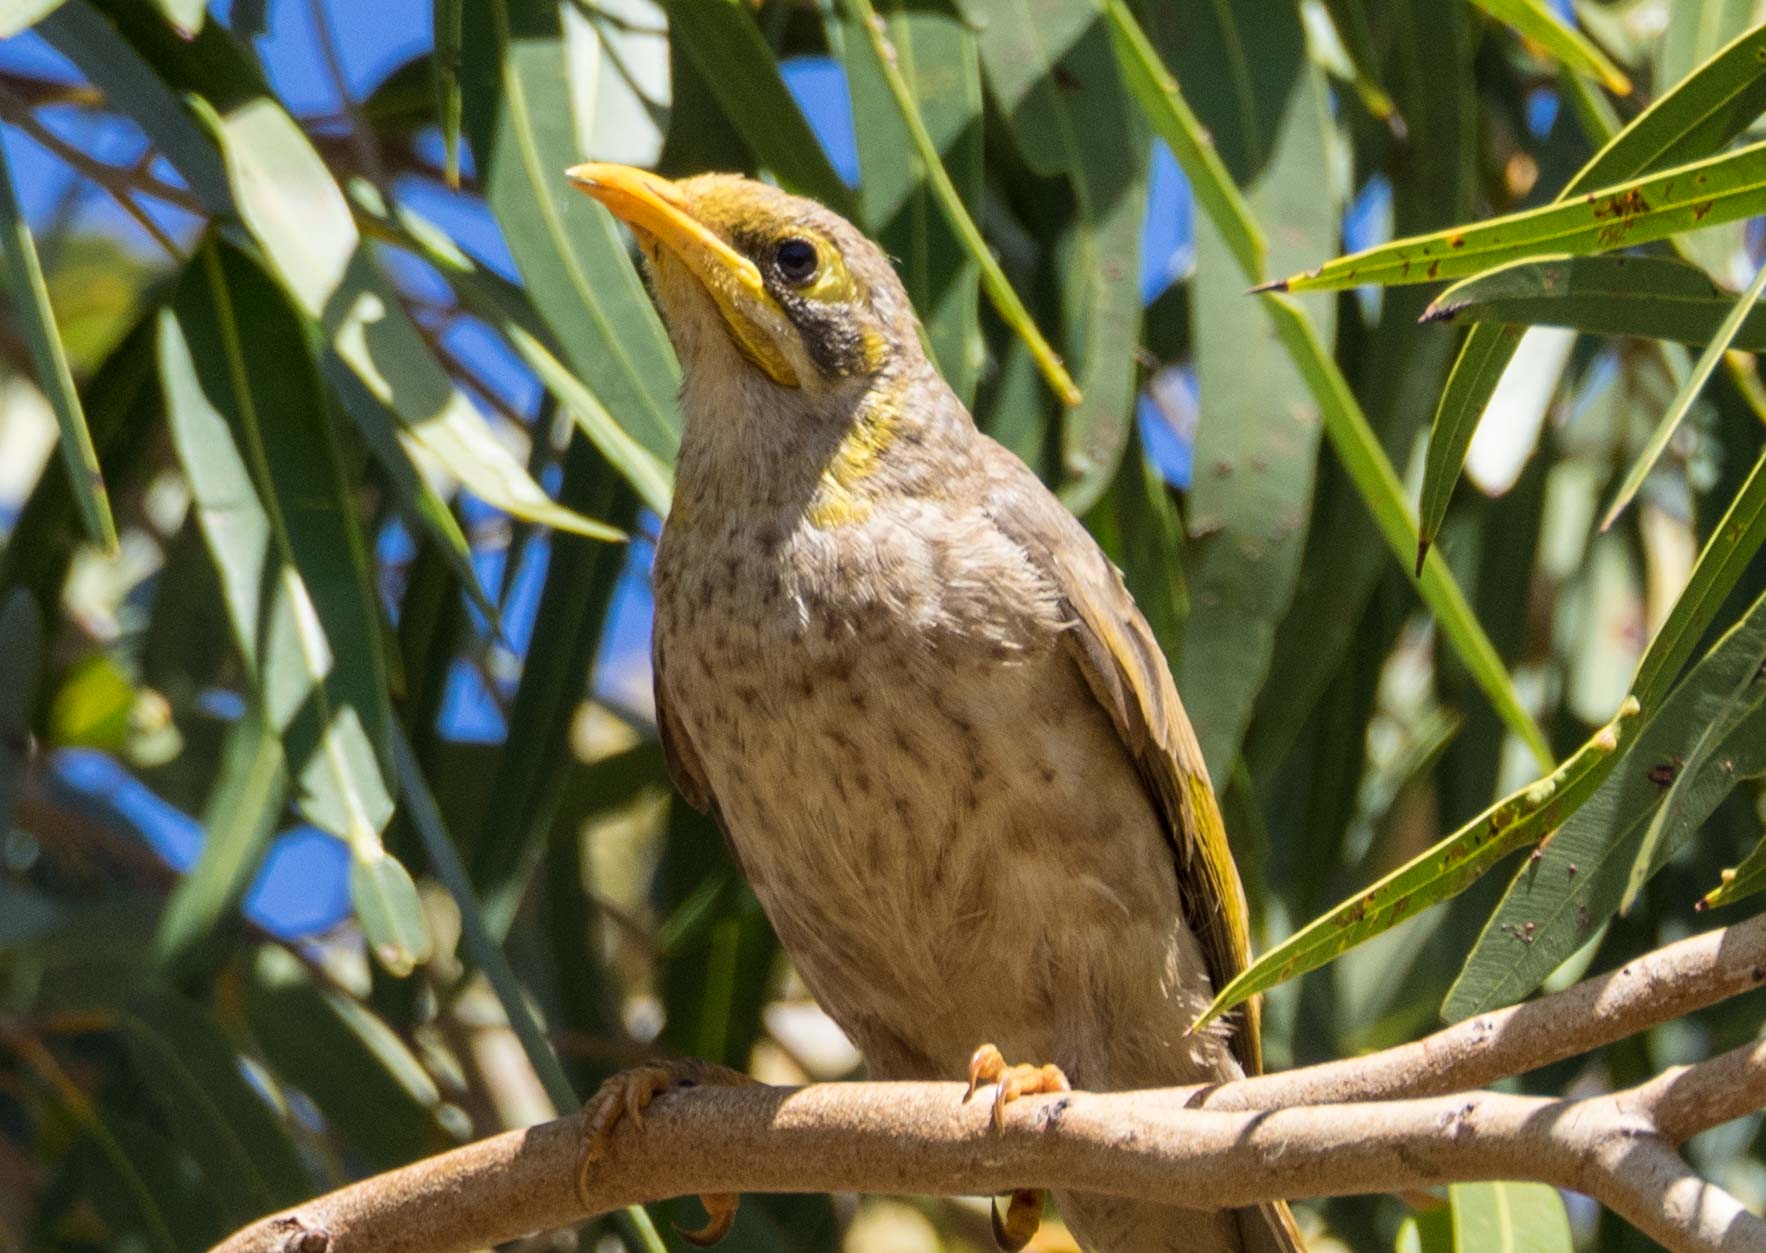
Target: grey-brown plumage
[945, 749]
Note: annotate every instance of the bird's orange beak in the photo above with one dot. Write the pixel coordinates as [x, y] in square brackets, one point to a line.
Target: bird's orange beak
[655, 207]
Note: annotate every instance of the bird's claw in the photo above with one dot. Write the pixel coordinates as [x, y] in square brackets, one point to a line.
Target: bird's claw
[1015, 1228]
[625, 1096]
[987, 1065]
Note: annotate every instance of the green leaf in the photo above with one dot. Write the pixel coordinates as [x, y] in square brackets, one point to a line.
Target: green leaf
[1732, 545]
[249, 1164]
[1508, 1218]
[572, 258]
[1256, 450]
[939, 64]
[1532, 19]
[30, 302]
[1621, 294]
[1730, 746]
[1746, 878]
[446, 21]
[1576, 882]
[1683, 399]
[390, 911]
[253, 434]
[242, 813]
[1161, 100]
[736, 62]
[1437, 874]
[420, 504]
[884, 59]
[368, 1086]
[21, 659]
[1702, 112]
[16, 15]
[1376, 481]
[1718, 189]
[569, 624]
[1053, 73]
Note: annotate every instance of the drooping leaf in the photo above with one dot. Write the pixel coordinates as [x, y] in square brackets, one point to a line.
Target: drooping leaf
[1578, 880]
[1534, 20]
[30, 301]
[737, 64]
[1690, 387]
[242, 812]
[21, 648]
[573, 261]
[253, 435]
[1256, 447]
[1051, 68]
[937, 58]
[871, 35]
[1700, 114]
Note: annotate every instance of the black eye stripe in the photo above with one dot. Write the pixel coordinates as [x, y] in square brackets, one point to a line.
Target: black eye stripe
[796, 260]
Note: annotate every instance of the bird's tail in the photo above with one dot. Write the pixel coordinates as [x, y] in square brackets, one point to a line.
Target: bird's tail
[1107, 1224]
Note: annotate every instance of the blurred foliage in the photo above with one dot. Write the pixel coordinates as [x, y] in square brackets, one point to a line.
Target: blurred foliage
[331, 514]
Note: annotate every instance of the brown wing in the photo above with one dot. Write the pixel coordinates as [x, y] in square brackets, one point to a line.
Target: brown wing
[677, 750]
[1115, 650]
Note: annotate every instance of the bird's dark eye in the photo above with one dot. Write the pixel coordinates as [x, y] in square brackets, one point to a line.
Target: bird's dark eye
[797, 260]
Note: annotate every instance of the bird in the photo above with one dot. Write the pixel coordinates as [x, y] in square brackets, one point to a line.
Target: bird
[940, 738]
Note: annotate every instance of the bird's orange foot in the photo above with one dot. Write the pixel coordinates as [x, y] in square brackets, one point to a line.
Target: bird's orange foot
[625, 1096]
[986, 1065]
[1015, 1228]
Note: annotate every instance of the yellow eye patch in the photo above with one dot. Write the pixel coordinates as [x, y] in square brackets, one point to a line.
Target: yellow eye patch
[830, 281]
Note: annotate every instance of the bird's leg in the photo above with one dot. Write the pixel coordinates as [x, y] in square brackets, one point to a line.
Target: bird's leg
[625, 1096]
[986, 1065]
[1014, 1228]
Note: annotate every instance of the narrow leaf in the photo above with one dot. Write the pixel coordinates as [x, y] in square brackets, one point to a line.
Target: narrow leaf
[737, 63]
[1700, 114]
[1575, 883]
[1534, 20]
[884, 60]
[243, 810]
[574, 262]
[1649, 297]
[1377, 482]
[445, 66]
[21, 648]
[1682, 403]
[16, 15]
[1161, 100]
[1507, 1217]
[1718, 189]
[30, 300]
[390, 911]
[184, 15]
[1746, 878]
[1441, 872]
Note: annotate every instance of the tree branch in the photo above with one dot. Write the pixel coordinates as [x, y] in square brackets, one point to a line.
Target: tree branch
[1321, 1131]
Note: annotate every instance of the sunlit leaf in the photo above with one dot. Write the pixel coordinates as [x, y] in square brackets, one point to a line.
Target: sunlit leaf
[1697, 116]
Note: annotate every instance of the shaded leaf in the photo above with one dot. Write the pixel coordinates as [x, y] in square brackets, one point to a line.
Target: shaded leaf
[939, 63]
[1649, 297]
[1577, 881]
[1698, 115]
[30, 302]
[243, 810]
[1535, 20]
[1051, 69]
[737, 64]
[884, 60]
[573, 260]
[1690, 387]
[21, 658]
